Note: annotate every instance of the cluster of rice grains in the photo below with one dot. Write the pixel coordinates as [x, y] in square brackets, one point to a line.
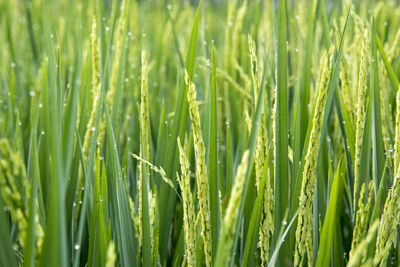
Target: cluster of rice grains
[304, 225]
[134, 133]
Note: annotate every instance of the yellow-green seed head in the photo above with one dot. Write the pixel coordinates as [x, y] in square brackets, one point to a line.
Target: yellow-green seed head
[304, 224]
[201, 169]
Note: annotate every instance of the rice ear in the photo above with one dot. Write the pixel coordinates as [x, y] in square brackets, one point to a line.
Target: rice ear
[304, 223]
[201, 169]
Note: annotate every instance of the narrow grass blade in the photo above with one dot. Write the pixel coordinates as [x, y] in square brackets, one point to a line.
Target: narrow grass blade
[97, 233]
[305, 81]
[33, 167]
[120, 211]
[282, 191]
[229, 164]
[281, 239]
[365, 158]
[331, 219]
[145, 220]
[392, 75]
[254, 225]
[346, 140]
[55, 242]
[161, 139]
[378, 157]
[213, 160]
[82, 220]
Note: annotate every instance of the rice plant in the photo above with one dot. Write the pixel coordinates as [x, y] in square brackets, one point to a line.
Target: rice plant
[199, 133]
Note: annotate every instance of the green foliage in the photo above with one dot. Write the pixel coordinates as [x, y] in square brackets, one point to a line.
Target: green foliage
[287, 112]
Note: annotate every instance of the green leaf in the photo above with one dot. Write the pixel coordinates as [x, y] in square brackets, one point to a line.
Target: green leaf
[281, 188]
[213, 160]
[281, 240]
[341, 113]
[127, 247]
[331, 219]
[98, 233]
[255, 222]
[378, 157]
[33, 173]
[229, 164]
[304, 89]
[82, 220]
[54, 249]
[365, 158]
[392, 75]
[145, 220]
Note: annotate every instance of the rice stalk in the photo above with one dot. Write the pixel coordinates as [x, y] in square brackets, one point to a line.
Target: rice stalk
[144, 136]
[360, 116]
[119, 37]
[267, 220]
[396, 156]
[388, 224]
[189, 217]
[12, 180]
[304, 223]
[359, 252]
[360, 228]
[201, 169]
[231, 215]
[134, 217]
